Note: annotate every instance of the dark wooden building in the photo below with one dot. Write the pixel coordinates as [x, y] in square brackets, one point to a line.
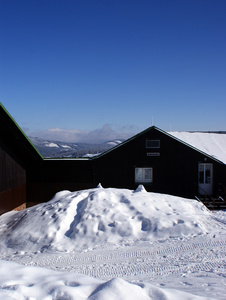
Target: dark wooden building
[154, 158]
[20, 166]
[163, 164]
[66, 174]
[26, 178]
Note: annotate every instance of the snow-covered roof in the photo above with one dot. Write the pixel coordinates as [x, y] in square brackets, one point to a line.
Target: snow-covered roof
[213, 144]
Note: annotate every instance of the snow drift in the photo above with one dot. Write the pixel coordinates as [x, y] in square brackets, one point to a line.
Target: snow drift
[88, 219]
[20, 282]
[136, 238]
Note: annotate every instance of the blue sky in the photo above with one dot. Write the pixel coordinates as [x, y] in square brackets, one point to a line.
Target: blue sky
[76, 69]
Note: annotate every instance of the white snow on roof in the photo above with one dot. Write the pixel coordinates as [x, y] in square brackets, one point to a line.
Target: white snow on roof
[213, 144]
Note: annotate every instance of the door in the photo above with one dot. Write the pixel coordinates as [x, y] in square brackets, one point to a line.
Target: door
[205, 178]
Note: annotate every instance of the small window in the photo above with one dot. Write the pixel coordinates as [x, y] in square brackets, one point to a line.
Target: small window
[143, 175]
[152, 143]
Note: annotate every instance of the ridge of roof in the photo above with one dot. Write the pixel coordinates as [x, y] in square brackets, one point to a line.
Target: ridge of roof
[166, 133]
[170, 134]
[19, 128]
[124, 142]
[200, 131]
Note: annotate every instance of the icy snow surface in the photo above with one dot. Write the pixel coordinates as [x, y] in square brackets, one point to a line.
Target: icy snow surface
[113, 244]
[213, 144]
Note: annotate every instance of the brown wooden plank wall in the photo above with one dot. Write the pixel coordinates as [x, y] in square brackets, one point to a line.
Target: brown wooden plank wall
[12, 183]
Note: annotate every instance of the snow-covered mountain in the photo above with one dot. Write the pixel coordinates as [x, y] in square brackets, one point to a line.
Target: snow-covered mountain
[50, 148]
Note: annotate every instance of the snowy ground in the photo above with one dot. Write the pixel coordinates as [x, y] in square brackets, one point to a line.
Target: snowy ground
[113, 244]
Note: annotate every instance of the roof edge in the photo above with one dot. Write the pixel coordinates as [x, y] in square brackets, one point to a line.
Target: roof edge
[125, 142]
[19, 128]
[192, 147]
[166, 133]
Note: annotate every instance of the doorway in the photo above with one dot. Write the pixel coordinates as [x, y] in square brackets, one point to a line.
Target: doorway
[205, 178]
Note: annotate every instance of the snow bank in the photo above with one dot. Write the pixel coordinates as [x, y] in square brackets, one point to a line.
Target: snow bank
[88, 219]
[175, 243]
[22, 282]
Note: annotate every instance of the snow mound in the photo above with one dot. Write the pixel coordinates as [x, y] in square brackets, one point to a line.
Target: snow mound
[87, 219]
[140, 189]
[23, 282]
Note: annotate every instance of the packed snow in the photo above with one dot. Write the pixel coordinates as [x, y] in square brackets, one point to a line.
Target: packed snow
[113, 244]
[213, 144]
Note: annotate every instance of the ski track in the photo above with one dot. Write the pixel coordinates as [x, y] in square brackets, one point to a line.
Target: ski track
[129, 262]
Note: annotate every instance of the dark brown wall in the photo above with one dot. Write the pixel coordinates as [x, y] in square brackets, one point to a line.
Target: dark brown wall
[12, 183]
[66, 174]
[20, 164]
[175, 171]
[11, 173]
[219, 176]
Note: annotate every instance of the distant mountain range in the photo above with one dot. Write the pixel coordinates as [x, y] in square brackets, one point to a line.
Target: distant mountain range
[55, 149]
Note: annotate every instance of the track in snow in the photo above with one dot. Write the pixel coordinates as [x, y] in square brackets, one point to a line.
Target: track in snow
[140, 261]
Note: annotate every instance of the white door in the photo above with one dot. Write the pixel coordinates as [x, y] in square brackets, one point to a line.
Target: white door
[205, 179]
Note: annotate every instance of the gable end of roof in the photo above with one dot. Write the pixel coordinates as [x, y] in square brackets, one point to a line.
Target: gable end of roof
[12, 120]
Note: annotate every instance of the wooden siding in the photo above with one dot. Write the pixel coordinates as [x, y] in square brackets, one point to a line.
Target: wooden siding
[175, 169]
[11, 173]
[12, 183]
[12, 198]
[66, 174]
[20, 165]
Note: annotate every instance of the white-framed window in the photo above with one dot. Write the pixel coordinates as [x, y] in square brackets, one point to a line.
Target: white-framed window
[143, 175]
[152, 144]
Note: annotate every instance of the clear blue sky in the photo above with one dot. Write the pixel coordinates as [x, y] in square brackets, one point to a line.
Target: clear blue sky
[113, 65]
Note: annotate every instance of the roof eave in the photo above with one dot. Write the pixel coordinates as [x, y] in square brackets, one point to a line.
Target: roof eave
[163, 132]
[21, 131]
